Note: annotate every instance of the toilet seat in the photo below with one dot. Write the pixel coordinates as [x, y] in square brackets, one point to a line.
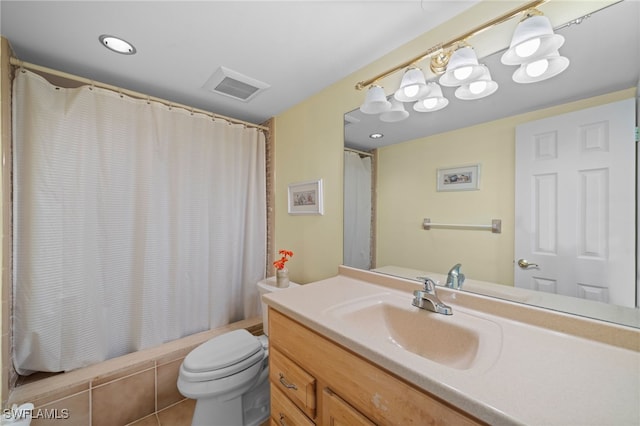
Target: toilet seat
[226, 388]
[222, 356]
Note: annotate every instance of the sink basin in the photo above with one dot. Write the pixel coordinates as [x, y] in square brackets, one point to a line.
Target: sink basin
[462, 341]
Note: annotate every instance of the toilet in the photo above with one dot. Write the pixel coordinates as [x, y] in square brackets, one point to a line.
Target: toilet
[228, 375]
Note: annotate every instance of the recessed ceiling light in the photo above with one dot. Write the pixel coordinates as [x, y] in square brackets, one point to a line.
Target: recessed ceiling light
[376, 135]
[117, 44]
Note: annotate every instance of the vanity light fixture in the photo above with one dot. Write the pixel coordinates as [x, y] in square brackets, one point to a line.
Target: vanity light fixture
[434, 101]
[532, 39]
[376, 101]
[412, 87]
[117, 44]
[477, 89]
[534, 48]
[541, 69]
[463, 67]
[395, 113]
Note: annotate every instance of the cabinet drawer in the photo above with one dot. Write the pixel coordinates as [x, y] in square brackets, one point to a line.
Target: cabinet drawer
[293, 381]
[284, 412]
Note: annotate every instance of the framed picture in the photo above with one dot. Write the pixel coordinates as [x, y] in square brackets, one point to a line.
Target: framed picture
[306, 197]
[463, 178]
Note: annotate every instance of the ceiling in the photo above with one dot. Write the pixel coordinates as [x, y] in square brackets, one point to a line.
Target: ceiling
[296, 47]
[604, 54]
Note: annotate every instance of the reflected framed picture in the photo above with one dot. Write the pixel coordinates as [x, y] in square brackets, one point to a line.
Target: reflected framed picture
[462, 178]
[306, 197]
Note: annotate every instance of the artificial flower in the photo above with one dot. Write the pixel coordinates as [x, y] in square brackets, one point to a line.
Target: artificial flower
[284, 257]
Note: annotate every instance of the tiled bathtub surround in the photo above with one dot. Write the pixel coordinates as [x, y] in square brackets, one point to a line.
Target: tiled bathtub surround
[138, 388]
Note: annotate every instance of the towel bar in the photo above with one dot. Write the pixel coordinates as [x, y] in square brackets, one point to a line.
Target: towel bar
[495, 227]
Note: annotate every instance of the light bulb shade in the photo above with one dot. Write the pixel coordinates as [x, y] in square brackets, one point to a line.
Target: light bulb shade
[396, 113]
[412, 87]
[463, 61]
[533, 32]
[433, 102]
[376, 101]
[480, 88]
[555, 65]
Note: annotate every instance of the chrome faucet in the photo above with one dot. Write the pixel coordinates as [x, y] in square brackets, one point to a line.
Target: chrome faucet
[428, 300]
[455, 278]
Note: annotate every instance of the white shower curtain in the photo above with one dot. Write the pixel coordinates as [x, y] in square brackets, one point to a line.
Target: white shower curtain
[134, 224]
[357, 210]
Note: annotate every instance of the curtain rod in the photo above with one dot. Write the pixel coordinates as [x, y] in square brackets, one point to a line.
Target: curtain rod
[368, 154]
[18, 63]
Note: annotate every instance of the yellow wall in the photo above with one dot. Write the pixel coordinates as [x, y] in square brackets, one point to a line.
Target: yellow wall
[407, 194]
[313, 150]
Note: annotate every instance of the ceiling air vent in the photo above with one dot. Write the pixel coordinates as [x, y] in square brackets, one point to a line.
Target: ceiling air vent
[234, 85]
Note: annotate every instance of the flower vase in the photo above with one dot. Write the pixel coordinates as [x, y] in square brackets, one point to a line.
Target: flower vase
[282, 277]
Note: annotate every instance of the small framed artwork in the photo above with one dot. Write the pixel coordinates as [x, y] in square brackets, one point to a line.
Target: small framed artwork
[306, 197]
[463, 178]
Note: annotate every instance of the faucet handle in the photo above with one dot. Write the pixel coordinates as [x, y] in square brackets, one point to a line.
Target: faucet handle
[455, 278]
[455, 269]
[429, 284]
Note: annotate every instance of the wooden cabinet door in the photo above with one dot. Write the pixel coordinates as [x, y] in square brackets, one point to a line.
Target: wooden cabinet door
[336, 412]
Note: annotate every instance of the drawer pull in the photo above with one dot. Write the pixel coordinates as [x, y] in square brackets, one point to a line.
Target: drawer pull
[282, 420]
[287, 384]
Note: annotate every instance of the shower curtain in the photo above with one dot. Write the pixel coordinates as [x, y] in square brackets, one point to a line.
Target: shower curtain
[357, 210]
[135, 223]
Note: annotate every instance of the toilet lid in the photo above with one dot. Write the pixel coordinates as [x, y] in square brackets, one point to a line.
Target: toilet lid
[223, 351]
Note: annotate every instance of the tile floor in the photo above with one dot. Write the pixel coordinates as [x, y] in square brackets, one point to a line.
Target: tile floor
[177, 415]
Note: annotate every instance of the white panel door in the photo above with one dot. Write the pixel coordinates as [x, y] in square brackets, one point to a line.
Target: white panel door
[575, 204]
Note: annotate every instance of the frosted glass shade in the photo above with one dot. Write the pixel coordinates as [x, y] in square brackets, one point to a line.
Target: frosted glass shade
[376, 101]
[527, 73]
[533, 39]
[433, 102]
[480, 88]
[396, 113]
[412, 87]
[463, 67]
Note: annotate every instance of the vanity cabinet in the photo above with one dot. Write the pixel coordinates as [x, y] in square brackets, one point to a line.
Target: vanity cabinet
[316, 381]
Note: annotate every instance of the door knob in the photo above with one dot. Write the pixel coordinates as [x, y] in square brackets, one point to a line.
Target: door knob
[524, 264]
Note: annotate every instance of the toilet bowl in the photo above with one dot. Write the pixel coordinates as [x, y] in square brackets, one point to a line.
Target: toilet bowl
[228, 375]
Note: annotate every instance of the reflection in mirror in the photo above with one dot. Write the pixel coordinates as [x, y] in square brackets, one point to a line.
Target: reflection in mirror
[406, 160]
[357, 209]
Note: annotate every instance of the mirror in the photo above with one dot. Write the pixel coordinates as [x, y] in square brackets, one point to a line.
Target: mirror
[604, 50]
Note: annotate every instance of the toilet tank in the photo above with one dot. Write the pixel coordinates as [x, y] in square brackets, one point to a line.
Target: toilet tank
[267, 286]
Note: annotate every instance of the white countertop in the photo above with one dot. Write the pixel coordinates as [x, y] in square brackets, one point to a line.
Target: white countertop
[541, 376]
